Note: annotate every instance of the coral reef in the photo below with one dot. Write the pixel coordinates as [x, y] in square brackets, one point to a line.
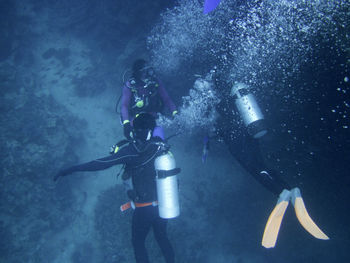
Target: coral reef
[36, 138]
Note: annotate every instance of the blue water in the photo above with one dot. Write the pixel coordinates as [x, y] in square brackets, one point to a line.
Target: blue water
[61, 69]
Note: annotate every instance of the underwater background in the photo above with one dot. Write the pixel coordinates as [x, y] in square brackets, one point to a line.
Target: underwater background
[62, 65]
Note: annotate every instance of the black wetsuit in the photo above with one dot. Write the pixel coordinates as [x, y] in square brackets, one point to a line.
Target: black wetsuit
[139, 161]
[246, 149]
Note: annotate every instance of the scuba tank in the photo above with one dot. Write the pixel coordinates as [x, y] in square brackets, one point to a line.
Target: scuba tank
[167, 186]
[249, 110]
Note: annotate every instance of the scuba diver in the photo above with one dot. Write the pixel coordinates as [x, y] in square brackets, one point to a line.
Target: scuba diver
[240, 125]
[143, 92]
[150, 171]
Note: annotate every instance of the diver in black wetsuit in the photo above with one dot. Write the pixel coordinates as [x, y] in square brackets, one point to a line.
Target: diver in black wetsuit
[139, 159]
[240, 125]
[246, 149]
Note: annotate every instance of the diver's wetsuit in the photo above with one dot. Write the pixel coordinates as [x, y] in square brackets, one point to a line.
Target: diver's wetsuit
[139, 161]
[145, 218]
[246, 150]
[154, 97]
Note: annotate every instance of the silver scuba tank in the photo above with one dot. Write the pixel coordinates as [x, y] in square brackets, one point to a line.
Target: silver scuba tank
[249, 110]
[167, 186]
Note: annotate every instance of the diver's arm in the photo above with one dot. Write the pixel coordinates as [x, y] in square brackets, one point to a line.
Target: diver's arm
[124, 109]
[122, 157]
[166, 98]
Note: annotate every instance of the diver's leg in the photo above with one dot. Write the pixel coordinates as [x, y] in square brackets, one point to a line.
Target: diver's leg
[247, 151]
[160, 233]
[141, 225]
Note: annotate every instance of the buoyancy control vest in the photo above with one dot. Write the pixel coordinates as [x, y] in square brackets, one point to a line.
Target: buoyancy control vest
[145, 95]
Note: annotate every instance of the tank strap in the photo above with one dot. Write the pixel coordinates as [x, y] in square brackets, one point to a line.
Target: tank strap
[166, 173]
[133, 205]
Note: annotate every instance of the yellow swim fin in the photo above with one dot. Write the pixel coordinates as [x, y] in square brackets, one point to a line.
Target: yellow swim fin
[275, 219]
[303, 216]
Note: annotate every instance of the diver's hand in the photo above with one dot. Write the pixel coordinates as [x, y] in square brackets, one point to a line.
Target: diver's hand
[127, 130]
[61, 173]
[174, 114]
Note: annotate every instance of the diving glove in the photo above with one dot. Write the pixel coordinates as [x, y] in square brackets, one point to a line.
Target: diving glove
[115, 148]
[275, 219]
